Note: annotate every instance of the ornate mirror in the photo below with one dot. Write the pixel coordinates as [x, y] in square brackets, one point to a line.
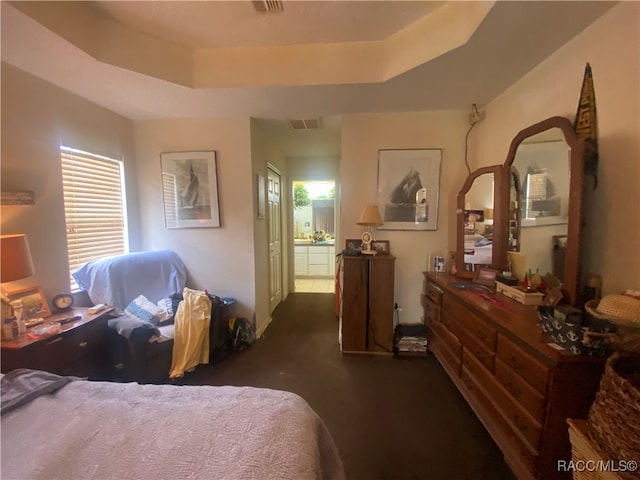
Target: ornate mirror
[545, 165]
[480, 242]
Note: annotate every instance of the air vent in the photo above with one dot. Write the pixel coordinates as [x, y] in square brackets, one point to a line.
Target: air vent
[306, 124]
[268, 6]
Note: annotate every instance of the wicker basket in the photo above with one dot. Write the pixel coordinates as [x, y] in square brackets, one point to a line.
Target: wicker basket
[614, 418]
[583, 450]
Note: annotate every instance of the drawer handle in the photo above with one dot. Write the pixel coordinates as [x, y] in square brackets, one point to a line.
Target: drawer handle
[522, 426]
[55, 340]
[513, 388]
[516, 364]
[83, 344]
[469, 366]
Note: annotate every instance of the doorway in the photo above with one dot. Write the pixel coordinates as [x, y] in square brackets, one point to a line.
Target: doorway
[275, 245]
[314, 220]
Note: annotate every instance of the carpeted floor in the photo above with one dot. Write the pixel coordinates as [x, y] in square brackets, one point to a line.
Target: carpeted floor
[392, 419]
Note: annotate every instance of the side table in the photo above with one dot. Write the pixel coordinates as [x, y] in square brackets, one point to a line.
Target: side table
[78, 348]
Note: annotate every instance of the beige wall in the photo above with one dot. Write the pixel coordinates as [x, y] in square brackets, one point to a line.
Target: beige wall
[362, 137]
[220, 260]
[295, 154]
[612, 47]
[265, 151]
[37, 118]
[230, 261]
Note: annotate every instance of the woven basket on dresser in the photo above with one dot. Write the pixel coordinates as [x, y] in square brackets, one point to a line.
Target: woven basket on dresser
[614, 418]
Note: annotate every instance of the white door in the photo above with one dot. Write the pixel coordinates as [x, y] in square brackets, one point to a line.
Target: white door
[275, 245]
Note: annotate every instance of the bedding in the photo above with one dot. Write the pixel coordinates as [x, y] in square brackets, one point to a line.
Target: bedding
[102, 430]
[478, 250]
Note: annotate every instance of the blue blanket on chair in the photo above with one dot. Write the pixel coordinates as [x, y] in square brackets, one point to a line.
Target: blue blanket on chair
[118, 280]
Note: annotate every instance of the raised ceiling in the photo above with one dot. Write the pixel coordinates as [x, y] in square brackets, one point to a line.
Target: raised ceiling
[190, 59]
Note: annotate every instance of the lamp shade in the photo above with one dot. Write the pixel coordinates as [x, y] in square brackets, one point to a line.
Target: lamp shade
[15, 259]
[488, 214]
[370, 216]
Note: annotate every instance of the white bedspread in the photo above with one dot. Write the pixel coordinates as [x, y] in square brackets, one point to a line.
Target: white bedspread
[101, 430]
[482, 255]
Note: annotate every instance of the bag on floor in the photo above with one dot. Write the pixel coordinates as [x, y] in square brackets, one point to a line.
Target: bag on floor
[242, 335]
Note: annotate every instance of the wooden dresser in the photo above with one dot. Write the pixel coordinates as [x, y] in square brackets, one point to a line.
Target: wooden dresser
[521, 389]
[366, 311]
[78, 348]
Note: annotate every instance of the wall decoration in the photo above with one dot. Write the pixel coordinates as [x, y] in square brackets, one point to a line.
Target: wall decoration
[18, 197]
[585, 125]
[190, 189]
[381, 247]
[353, 244]
[261, 197]
[33, 300]
[408, 188]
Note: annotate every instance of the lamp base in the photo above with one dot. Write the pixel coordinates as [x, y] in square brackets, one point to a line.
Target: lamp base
[366, 250]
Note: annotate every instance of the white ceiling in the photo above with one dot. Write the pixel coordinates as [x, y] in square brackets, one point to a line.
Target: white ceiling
[237, 23]
[512, 39]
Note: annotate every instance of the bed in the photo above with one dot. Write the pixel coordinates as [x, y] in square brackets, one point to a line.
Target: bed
[63, 428]
[478, 250]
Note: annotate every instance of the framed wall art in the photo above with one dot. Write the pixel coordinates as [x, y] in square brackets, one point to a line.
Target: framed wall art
[409, 188]
[262, 195]
[190, 189]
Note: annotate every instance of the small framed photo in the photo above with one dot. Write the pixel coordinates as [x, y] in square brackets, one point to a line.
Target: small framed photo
[380, 246]
[34, 302]
[353, 244]
[486, 276]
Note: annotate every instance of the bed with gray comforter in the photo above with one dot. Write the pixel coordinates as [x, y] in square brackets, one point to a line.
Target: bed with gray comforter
[60, 428]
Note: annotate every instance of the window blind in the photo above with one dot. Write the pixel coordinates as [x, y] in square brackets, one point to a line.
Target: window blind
[93, 207]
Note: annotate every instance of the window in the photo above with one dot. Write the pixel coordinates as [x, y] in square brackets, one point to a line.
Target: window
[94, 202]
[535, 191]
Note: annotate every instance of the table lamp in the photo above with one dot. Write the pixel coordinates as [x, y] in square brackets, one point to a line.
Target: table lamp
[15, 258]
[15, 261]
[369, 217]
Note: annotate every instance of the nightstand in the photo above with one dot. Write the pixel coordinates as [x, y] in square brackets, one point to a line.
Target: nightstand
[78, 349]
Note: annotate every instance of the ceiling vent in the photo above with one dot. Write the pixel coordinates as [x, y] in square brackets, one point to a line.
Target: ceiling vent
[268, 6]
[306, 124]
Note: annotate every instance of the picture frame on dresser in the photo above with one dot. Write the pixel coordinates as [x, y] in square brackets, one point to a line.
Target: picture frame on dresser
[381, 247]
[353, 244]
[33, 300]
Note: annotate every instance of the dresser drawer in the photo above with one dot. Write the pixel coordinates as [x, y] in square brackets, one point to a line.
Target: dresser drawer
[450, 361]
[520, 421]
[479, 350]
[56, 354]
[433, 292]
[512, 445]
[524, 364]
[449, 339]
[431, 310]
[476, 327]
[530, 399]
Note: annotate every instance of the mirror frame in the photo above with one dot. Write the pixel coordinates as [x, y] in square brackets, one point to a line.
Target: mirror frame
[572, 271]
[498, 255]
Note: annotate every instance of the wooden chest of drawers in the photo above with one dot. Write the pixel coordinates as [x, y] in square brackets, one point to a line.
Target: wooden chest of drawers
[78, 349]
[522, 389]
